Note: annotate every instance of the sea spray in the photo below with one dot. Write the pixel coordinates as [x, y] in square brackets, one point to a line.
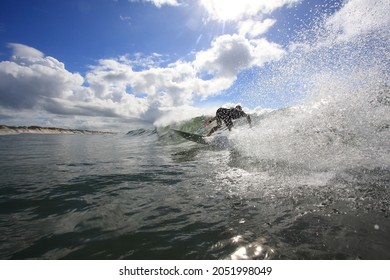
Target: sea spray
[337, 81]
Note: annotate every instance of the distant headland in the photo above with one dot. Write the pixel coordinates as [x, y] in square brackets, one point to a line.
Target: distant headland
[5, 130]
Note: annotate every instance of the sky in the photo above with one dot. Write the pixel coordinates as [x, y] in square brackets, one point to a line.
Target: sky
[116, 64]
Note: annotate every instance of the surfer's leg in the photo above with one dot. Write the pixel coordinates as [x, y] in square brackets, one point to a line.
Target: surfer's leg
[229, 123]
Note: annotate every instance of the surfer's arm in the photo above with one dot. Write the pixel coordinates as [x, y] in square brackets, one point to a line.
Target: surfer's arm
[210, 121]
[248, 118]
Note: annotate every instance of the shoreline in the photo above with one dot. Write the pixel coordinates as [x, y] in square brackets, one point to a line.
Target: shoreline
[12, 130]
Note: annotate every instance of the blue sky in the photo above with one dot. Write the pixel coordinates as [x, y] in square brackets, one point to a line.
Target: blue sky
[112, 63]
[79, 32]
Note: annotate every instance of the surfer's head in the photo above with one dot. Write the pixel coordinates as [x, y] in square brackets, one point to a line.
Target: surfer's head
[238, 107]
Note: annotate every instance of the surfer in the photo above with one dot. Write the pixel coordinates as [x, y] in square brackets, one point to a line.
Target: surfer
[227, 116]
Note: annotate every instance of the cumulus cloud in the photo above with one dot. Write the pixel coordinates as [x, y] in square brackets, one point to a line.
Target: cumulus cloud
[29, 77]
[41, 82]
[238, 10]
[230, 54]
[152, 93]
[114, 89]
[181, 82]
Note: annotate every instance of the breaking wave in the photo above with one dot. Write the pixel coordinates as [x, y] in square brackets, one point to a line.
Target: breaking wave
[338, 85]
[335, 83]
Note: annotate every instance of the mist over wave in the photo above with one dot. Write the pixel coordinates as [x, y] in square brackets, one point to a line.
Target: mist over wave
[338, 83]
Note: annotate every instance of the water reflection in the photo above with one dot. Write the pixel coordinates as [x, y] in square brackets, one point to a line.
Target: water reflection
[242, 250]
[254, 250]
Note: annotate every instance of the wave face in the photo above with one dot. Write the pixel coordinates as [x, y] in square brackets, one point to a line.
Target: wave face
[142, 132]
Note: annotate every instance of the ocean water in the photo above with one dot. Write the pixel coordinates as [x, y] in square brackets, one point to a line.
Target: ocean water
[143, 196]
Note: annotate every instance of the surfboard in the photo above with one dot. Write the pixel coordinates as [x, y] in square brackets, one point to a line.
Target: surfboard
[192, 137]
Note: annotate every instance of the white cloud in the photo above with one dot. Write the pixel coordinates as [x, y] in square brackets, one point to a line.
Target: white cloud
[359, 17]
[114, 89]
[161, 88]
[20, 50]
[237, 10]
[230, 54]
[251, 28]
[43, 83]
[159, 3]
[139, 61]
[29, 78]
[180, 83]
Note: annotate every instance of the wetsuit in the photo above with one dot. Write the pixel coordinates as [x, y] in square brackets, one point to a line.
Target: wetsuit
[228, 115]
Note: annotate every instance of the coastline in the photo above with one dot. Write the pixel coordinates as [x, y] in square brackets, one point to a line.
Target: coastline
[10, 130]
